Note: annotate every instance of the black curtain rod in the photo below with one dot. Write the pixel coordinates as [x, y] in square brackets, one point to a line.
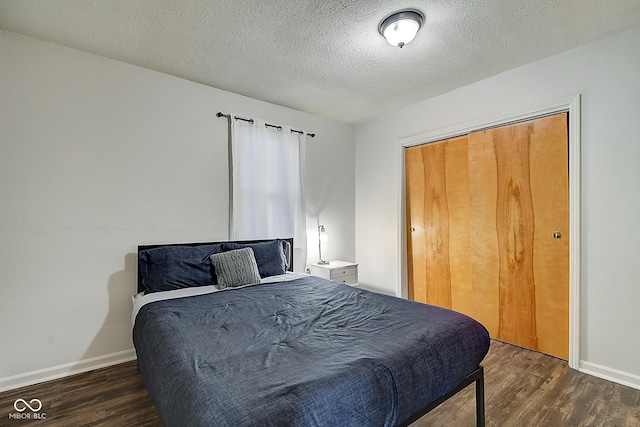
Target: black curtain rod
[220, 114]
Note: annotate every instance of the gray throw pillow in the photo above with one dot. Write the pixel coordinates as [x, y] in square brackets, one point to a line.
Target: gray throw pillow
[235, 268]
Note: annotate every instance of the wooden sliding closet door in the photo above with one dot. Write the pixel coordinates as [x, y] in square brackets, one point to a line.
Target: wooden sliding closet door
[489, 225]
[437, 185]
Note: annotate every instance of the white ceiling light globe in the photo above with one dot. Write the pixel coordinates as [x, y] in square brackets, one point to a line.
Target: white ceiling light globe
[401, 28]
[401, 32]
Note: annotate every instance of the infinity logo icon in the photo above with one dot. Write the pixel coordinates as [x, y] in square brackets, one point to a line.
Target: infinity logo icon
[37, 405]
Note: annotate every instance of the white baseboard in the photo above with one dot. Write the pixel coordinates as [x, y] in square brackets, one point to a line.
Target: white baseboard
[55, 372]
[610, 374]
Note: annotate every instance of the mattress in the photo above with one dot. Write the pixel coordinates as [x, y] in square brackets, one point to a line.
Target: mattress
[300, 352]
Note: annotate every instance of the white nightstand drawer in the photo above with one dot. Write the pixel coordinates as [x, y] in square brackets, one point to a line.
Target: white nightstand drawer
[347, 280]
[337, 273]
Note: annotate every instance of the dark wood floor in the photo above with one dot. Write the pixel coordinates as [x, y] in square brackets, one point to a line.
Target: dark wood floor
[113, 397]
[526, 388]
[522, 388]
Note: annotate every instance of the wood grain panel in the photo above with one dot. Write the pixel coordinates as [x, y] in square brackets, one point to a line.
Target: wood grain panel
[436, 226]
[482, 210]
[550, 194]
[515, 226]
[430, 228]
[437, 176]
[485, 255]
[416, 245]
[457, 190]
[515, 248]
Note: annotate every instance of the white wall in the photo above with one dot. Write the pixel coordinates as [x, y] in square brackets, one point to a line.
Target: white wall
[98, 156]
[607, 74]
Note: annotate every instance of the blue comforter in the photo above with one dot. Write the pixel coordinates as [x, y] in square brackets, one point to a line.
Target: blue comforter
[307, 352]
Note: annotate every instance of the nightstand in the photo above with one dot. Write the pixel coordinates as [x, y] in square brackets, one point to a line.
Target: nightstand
[338, 271]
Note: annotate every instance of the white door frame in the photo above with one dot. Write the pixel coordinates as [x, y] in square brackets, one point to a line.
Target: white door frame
[570, 104]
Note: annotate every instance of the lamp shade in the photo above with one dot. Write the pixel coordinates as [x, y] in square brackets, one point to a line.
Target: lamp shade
[401, 28]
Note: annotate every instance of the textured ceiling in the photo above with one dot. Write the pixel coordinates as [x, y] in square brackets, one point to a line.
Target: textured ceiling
[322, 56]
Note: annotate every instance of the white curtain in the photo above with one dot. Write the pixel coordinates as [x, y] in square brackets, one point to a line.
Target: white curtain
[267, 185]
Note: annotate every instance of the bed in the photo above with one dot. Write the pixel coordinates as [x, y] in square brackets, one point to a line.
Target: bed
[292, 349]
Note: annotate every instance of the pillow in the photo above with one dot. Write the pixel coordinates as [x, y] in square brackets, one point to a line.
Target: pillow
[235, 268]
[269, 256]
[174, 267]
[286, 246]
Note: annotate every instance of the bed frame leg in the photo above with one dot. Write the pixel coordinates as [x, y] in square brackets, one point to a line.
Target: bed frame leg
[480, 421]
[476, 376]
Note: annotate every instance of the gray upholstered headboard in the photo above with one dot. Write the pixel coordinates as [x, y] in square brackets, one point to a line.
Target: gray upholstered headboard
[287, 248]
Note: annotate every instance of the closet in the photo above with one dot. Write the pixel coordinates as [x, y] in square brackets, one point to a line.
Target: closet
[488, 218]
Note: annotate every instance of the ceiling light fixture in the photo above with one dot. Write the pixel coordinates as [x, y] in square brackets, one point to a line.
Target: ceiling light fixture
[401, 27]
